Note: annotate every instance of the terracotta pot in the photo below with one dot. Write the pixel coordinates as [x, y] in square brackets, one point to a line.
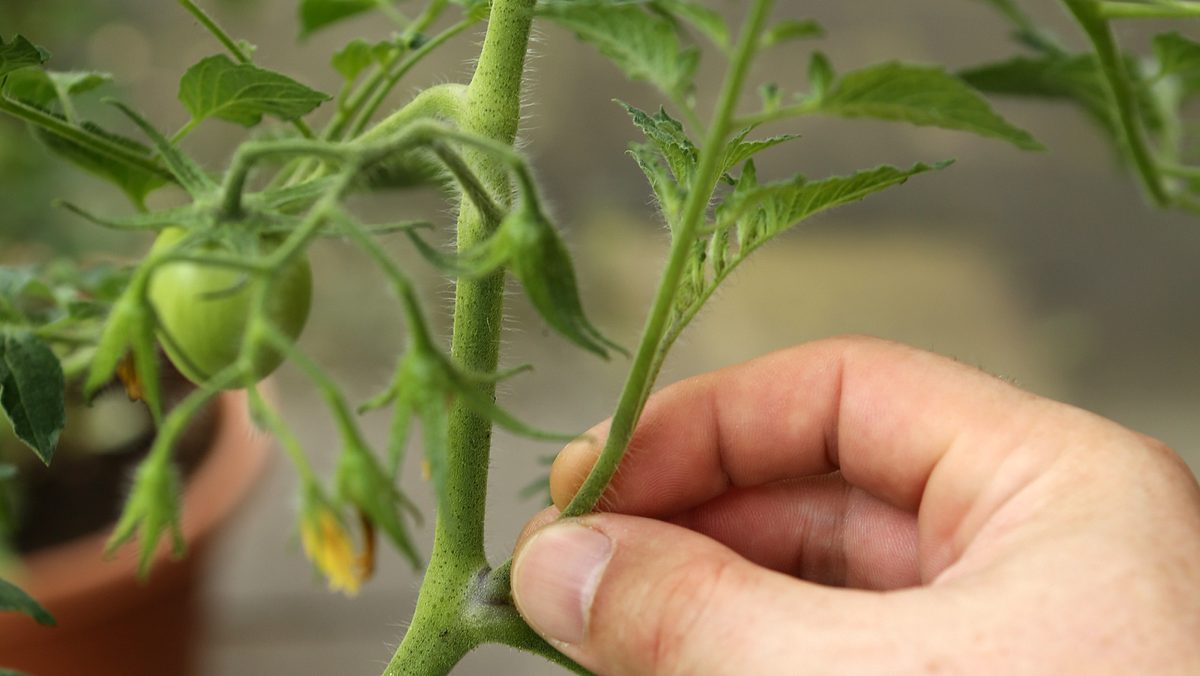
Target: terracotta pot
[109, 622]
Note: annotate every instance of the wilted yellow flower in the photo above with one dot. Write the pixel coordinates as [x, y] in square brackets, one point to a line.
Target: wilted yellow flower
[129, 378]
[330, 546]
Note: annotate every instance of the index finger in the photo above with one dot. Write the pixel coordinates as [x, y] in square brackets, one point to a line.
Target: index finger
[887, 416]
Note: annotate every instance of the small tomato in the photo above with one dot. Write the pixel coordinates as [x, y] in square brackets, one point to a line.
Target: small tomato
[205, 310]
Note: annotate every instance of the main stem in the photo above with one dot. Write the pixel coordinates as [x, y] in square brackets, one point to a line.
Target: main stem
[439, 636]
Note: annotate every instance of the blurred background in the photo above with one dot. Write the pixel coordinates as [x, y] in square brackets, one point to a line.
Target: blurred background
[1045, 268]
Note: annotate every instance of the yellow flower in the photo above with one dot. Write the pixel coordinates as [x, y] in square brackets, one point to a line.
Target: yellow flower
[330, 546]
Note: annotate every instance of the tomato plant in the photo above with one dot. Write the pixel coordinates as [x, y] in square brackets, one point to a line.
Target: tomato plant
[203, 310]
[226, 288]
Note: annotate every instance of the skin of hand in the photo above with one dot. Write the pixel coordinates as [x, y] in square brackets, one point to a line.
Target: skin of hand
[854, 506]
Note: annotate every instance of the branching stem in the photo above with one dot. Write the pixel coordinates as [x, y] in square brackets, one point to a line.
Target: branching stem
[637, 387]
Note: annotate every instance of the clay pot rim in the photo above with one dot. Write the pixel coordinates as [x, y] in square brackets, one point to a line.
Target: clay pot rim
[236, 458]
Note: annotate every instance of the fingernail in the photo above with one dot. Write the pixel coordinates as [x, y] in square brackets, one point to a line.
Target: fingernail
[555, 578]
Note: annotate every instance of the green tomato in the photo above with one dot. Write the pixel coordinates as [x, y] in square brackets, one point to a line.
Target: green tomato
[203, 311]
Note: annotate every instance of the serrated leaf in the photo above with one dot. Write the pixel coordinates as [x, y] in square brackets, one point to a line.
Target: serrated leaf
[763, 211]
[668, 193]
[741, 150]
[1179, 57]
[186, 171]
[919, 95]
[707, 21]
[669, 137]
[12, 599]
[134, 181]
[318, 14]
[645, 46]
[32, 391]
[241, 93]
[792, 29]
[20, 53]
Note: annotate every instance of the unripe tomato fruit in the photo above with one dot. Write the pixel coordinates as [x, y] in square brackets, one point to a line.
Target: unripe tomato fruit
[205, 309]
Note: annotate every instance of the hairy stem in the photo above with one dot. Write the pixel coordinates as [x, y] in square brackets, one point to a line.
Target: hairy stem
[440, 633]
[641, 374]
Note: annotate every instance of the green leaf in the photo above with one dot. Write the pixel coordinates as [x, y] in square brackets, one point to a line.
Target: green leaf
[670, 196]
[242, 93]
[645, 46]
[707, 21]
[761, 212]
[541, 261]
[740, 149]
[920, 95]
[353, 59]
[317, 14]
[12, 599]
[40, 87]
[20, 53]
[1075, 78]
[136, 182]
[820, 74]
[790, 30]
[1179, 57]
[32, 391]
[185, 170]
[528, 243]
[668, 136]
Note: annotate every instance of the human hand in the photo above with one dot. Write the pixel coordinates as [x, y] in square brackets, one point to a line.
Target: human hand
[855, 506]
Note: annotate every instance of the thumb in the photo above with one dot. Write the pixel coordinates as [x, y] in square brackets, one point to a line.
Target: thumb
[627, 595]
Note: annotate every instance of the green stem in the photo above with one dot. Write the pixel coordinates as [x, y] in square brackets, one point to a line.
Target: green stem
[633, 397]
[1124, 98]
[394, 77]
[345, 115]
[291, 445]
[251, 153]
[445, 101]
[493, 110]
[1159, 10]
[184, 131]
[215, 29]
[396, 16]
[440, 633]
[1180, 171]
[83, 137]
